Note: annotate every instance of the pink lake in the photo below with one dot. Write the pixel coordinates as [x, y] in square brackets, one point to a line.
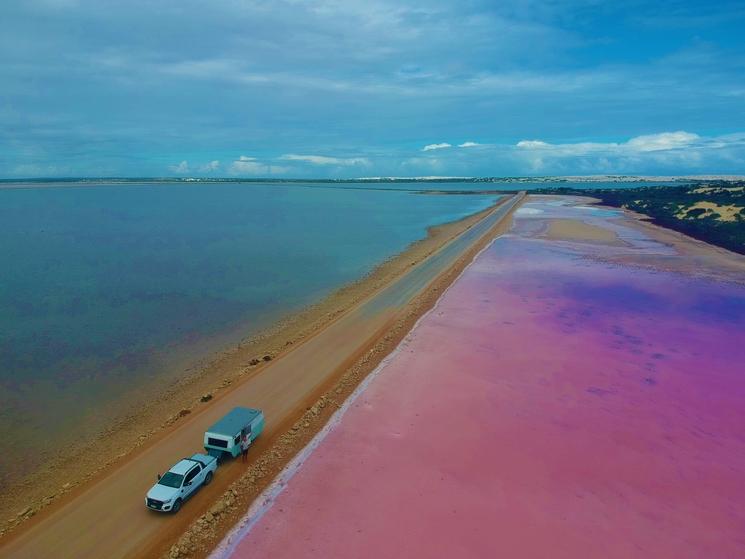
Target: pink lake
[555, 403]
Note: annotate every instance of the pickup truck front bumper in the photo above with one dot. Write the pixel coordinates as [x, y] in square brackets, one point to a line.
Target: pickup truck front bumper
[160, 506]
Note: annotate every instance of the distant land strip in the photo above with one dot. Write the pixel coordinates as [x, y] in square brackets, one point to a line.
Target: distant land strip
[20, 182]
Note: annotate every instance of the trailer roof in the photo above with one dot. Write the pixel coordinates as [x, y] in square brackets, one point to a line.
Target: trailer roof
[233, 421]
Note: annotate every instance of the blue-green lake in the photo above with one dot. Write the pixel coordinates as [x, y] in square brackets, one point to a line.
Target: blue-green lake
[104, 287]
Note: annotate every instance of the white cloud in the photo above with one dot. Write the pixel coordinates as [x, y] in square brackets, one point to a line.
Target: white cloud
[325, 160]
[431, 147]
[181, 169]
[41, 170]
[246, 165]
[468, 145]
[576, 149]
[425, 164]
[663, 141]
[533, 144]
[185, 168]
[210, 167]
[675, 152]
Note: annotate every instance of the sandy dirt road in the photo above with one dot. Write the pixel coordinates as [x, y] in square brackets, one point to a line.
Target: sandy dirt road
[108, 517]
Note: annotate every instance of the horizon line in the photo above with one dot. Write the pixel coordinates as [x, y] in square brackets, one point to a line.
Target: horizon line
[492, 178]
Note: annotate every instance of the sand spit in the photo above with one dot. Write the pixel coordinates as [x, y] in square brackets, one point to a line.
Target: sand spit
[247, 365]
[575, 230]
[554, 403]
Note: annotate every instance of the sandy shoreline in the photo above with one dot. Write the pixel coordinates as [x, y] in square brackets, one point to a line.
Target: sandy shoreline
[59, 477]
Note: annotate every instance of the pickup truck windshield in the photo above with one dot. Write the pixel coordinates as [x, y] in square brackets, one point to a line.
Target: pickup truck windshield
[170, 479]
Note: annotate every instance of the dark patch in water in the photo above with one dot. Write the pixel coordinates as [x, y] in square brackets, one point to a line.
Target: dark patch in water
[614, 296]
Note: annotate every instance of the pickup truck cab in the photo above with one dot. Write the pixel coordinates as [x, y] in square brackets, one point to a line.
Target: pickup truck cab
[180, 482]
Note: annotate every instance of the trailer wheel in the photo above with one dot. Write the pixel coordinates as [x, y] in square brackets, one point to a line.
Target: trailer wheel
[208, 478]
[176, 506]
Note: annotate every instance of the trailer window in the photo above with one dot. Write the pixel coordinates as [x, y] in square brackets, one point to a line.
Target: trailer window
[217, 442]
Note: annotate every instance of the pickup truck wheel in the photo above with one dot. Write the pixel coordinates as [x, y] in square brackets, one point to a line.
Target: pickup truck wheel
[208, 478]
[176, 506]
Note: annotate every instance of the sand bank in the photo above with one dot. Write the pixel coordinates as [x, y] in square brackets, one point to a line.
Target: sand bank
[576, 230]
[561, 400]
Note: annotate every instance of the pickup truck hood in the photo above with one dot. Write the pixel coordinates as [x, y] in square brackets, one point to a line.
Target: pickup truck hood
[162, 493]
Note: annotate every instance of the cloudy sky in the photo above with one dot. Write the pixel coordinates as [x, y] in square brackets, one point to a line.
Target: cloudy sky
[350, 88]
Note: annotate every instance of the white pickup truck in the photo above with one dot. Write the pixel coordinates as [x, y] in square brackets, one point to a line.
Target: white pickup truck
[180, 482]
